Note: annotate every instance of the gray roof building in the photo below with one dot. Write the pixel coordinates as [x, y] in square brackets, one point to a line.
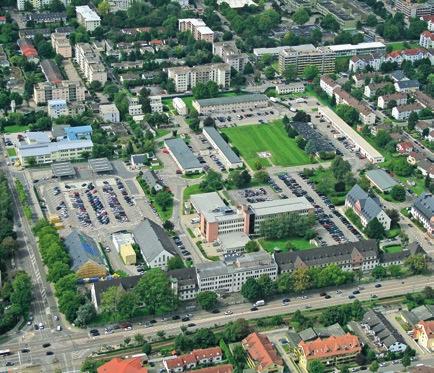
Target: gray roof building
[51, 71]
[225, 100]
[424, 204]
[407, 84]
[183, 156]
[152, 180]
[421, 313]
[370, 207]
[219, 143]
[63, 169]
[381, 179]
[98, 165]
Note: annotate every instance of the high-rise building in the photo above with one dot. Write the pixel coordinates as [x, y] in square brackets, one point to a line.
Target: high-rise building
[66, 90]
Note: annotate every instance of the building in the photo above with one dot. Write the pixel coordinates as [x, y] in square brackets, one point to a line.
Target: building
[119, 5]
[119, 365]
[109, 113]
[46, 17]
[154, 243]
[152, 181]
[156, 104]
[404, 147]
[28, 50]
[229, 103]
[423, 333]
[134, 106]
[37, 4]
[123, 243]
[365, 149]
[88, 18]
[343, 17]
[230, 54]
[366, 115]
[183, 156]
[372, 88]
[385, 336]
[284, 89]
[411, 55]
[381, 180]
[407, 86]
[66, 90]
[370, 60]
[51, 71]
[186, 77]
[426, 39]
[180, 106]
[426, 167]
[333, 351]
[261, 354]
[305, 55]
[400, 98]
[61, 45]
[365, 207]
[273, 51]
[417, 314]
[360, 49]
[4, 62]
[423, 211]
[184, 282]
[423, 99]
[328, 85]
[430, 21]
[187, 362]
[411, 9]
[225, 152]
[90, 63]
[57, 108]
[236, 4]
[86, 257]
[197, 27]
[360, 78]
[403, 112]
[229, 277]
[351, 256]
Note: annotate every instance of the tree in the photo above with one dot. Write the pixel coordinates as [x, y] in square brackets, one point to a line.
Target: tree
[347, 113]
[301, 280]
[330, 23]
[301, 142]
[379, 272]
[269, 72]
[95, 86]
[209, 122]
[241, 179]
[21, 292]
[310, 147]
[340, 168]
[85, 313]
[227, 35]
[261, 177]
[147, 348]
[375, 229]
[417, 264]
[164, 200]
[139, 339]
[398, 193]
[374, 366]
[207, 300]
[310, 72]
[57, 270]
[104, 7]
[371, 20]
[290, 73]
[248, 69]
[251, 290]
[175, 263]
[212, 182]
[236, 330]
[267, 285]
[251, 246]
[300, 16]
[412, 120]
[168, 225]
[406, 361]
[315, 366]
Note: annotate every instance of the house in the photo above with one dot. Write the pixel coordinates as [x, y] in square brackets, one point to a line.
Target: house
[184, 282]
[361, 78]
[333, 351]
[119, 365]
[423, 332]
[426, 167]
[372, 88]
[366, 207]
[152, 181]
[398, 75]
[426, 39]
[211, 355]
[154, 243]
[417, 314]
[385, 336]
[423, 99]
[381, 180]
[372, 60]
[404, 147]
[412, 55]
[424, 126]
[403, 112]
[86, 256]
[109, 113]
[423, 211]
[399, 97]
[407, 86]
[413, 158]
[261, 354]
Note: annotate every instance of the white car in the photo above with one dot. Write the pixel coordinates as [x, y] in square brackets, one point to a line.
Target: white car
[228, 312]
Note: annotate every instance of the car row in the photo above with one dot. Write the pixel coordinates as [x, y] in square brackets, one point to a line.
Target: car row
[114, 203]
[95, 202]
[218, 162]
[81, 212]
[185, 253]
[128, 199]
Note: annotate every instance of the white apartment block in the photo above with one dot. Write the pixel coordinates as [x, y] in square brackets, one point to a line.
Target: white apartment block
[37, 4]
[399, 97]
[197, 27]
[90, 63]
[328, 85]
[186, 77]
[284, 89]
[57, 108]
[427, 40]
[66, 90]
[224, 277]
[134, 107]
[109, 113]
[156, 104]
[230, 54]
[61, 45]
[116, 5]
[88, 18]
[403, 112]
[180, 106]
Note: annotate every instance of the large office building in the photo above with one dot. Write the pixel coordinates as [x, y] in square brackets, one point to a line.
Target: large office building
[225, 152]
[87, 17]
[224, 104]
[90, 63]
[306, 55]
[229, 276]
[186, 77]
[66, 90]
[365, 149]
[183, 156]
[197, 27]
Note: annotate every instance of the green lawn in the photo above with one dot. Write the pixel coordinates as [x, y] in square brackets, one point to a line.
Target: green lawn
[399, 45]
[272, 138]
[11, 152]
[190, 190]
[15, 129]
[298, 243]
[392, 249]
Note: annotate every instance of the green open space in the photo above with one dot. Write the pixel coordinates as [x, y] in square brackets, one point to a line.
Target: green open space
[297, 243]
[11, 152]
[392, 249]
[253, 139]
[400, 45]
[190, 190]
[15, 129]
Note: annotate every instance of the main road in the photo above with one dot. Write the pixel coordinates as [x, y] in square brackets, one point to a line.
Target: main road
[71, 348]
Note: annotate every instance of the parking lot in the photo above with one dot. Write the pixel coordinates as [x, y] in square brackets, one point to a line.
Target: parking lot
[253, 195]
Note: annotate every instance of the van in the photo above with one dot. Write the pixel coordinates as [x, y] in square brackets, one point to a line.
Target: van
[259, 303]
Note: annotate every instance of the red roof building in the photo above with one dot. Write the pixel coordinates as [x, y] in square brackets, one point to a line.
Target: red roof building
[189, 361]
[405, 147]
[118, 365]
[225, 368]
[262, 354]
[424, 333]
[2, 20]
[27, 49]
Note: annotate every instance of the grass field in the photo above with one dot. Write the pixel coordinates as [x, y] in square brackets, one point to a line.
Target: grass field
[272, 138]
[392, 249]
[15, 129]
[190, 190]
[11, 152]
[399, 45]
[298, 243]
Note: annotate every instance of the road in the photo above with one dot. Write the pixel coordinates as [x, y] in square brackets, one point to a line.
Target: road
[72, 347]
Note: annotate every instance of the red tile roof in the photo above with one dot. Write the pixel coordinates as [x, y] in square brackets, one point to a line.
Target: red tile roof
[118, 365]
[428, 326]
[261, 350]
[333, 346]
[225, 368]
[428, 18]
[193, 357]
[428, 34]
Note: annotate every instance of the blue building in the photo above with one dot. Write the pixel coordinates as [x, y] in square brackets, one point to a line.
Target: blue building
[78, 133]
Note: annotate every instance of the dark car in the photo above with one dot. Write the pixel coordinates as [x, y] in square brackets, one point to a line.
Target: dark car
[45, 345]
[254, 309]
[323, 294]
[378, 285]
[176, 317]
[25, 350]
[49, 353]
[215, 310]
[327, 296]
[192, 324]
[152, 321]
[351, 296]
[185, 318]
[356, 292]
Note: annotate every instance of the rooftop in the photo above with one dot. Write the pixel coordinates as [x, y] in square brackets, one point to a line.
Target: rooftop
[381, 179]
[222, 145]
[225, 100]
[369, 45]
[183, 154]
[63, 169]
[261, 351]
[119, 365]
[331, 346]
[280, 206]
[87, 13]
[100, 165]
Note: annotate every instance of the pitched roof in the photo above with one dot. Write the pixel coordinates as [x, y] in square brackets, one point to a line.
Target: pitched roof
[332, 346]
[367, 206]
[125, 283]
[118, 365]
[429, 328]
[425, 205]
[193, 357]
[381, 178]
[261, 350]
[382, 328]
[225, 368]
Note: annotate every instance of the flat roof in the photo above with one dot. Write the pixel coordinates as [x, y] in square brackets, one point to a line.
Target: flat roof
[63, 169]
[222, 145]
[233, 240]
[100, 165]
[280, 206]
[368, 45]
[381, 179]
[182, 153]
[87, 13]
[232, 99]
[34, 150]
[206, 201]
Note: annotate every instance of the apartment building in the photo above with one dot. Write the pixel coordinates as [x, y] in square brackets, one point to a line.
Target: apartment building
[229, 276]
[226, 104]
[407, 85]
[109, 113]
[134, 106]
[403, 112]
[412, 9]
[156, 104]
[90, 63]
[328, 85]
[360, 49]
[57, 108]
[372, 88]
[423, 332]
[61, 45]
[87, 17]
[371, 60]
[426, 39]
[186, 77]
[230, 54]
[284, 89]
[187, 362]
[305, 55]
[66, 90]
[197, 27]
[262, 355]
[399, 97]
[412, 55]
[28, 50]
[184, 282]
[343, 17]
[430, 21]
[366, 115]
[180, 106]
[37, 4]
[117, 5]
[334, 351]
[423, 211]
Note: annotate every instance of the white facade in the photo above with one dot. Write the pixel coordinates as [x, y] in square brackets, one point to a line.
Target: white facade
[180, 106]
[90, 63]
[57, 108]
[87, 17]
[61, 45]
[37, 4]
[116, 5]
[120, 239]
[427, 39]
[156, 104]
[134, 107]
[328, 85]
[283, 89]
[109, 113]
[404, 111]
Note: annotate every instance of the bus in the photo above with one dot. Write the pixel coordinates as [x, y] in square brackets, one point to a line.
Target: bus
[5, 352]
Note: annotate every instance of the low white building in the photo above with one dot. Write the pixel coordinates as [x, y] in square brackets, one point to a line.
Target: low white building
[403, 112]
[225, 104]
[180, 106]
[283, 89]
[358, 63]
[399, 97]
[109, 113]
[427, 39]
[423, 210]
[120, 239]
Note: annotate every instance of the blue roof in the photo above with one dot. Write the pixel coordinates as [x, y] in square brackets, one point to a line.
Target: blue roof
[78, 133]
[82, 249]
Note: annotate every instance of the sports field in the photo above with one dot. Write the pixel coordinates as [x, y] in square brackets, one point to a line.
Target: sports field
[268, 138]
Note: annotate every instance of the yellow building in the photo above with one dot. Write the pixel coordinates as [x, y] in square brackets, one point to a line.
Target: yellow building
[128, 254]
[424, 334]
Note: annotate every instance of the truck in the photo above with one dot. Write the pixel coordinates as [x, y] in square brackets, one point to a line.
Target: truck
[259, 303]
